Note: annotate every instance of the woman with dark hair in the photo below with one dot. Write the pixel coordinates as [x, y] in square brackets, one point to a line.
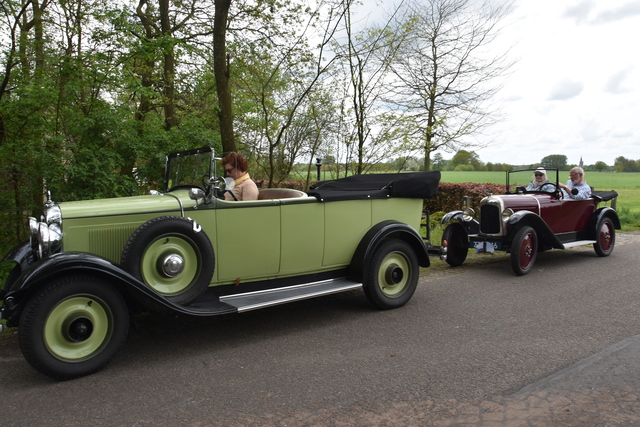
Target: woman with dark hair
[235, 167]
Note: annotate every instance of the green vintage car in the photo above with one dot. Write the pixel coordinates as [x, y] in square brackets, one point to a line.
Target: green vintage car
[90, 265]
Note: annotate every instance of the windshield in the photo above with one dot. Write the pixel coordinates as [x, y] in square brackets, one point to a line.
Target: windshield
[189, 168]
[527, 178]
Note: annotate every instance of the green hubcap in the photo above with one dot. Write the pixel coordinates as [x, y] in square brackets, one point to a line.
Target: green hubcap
[393, 275]
[77, 327]
[170, 264]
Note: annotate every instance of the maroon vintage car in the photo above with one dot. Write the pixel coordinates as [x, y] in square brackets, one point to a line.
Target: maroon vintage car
[527, 222]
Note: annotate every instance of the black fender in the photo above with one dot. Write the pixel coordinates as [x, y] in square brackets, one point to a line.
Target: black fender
[377, 234]
[471, 227]
[21, 255]
[43, 271]
[523, 218]
[598, 215]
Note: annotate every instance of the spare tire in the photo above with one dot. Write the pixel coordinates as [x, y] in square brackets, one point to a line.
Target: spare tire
[171, 255]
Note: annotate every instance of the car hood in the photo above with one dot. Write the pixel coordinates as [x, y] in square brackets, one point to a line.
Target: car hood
[126, 205]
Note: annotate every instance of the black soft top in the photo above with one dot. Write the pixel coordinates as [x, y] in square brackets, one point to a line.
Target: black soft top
[604, 196]
[416, 185]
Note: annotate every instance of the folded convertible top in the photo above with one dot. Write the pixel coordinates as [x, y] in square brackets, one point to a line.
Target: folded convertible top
[416, 185]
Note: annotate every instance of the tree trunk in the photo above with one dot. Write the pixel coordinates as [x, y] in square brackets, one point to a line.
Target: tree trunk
[169, 101]
[222, 74]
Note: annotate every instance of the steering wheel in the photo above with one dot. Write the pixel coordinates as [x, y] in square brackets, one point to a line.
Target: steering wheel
[556, 190]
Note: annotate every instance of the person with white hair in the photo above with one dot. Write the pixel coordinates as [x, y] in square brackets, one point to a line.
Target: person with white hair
[576, 188]
[540, 181]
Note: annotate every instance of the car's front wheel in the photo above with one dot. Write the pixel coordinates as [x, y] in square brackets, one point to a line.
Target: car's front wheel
[524, 250]
[73, 327]
[457, 244]
[605, 237]
[392, 277]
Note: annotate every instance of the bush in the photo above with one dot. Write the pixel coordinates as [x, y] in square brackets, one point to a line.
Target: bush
[450, 196]
[629, 220]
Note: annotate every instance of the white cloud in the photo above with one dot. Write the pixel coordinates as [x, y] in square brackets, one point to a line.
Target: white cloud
[565, 89]
[616, 83]
[580, 12]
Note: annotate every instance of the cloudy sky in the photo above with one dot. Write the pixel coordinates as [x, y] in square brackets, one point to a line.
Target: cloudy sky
[576, 87]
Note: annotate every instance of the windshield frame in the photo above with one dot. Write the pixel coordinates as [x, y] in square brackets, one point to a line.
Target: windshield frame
[196, 172]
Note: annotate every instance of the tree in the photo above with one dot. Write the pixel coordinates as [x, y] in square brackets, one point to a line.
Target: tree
[554, 161]
[444, 78]
[366, 57]
[622, 164]
[600, 166]
[438, 163]
[283, 79]
[221, 66]
[464, 157]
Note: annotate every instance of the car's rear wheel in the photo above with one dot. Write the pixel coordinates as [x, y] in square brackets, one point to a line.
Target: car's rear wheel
[524, 250]
[457, 244]
[605, 237]
[73, 327]
[171, 257]
[392, 277]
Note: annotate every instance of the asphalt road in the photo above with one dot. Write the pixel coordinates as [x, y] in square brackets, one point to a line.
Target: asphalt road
[472, 334]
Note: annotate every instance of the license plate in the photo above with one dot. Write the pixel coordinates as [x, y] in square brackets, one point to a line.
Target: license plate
[483, 246]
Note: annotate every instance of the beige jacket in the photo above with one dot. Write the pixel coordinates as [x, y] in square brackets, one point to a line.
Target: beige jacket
[244, 189]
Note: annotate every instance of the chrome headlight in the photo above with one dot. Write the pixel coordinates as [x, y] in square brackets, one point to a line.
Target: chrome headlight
[468, 214]
[506, 214]
[53, 215]
[46, 236]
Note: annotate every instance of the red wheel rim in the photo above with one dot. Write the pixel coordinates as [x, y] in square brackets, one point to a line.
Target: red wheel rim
[527, 251]
[605, 236]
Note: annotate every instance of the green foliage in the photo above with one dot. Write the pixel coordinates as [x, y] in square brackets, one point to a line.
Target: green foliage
[622, 164]
[451, 196]
[554, 161]
[600, 166]
[630, 219]
[463, 168]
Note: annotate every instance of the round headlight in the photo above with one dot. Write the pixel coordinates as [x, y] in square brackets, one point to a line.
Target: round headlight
[53, 215]
[468, 214]
[43, 240]
[506, 214]
[34, 234]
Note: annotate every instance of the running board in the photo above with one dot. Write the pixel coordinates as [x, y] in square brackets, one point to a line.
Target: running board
[260, 299]
[578, 243]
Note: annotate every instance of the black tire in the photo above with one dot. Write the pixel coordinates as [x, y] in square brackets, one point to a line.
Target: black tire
[457, 244]
[524, 250]
[73, 327]
[150, 250]
[605, 237]
[392, 276]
